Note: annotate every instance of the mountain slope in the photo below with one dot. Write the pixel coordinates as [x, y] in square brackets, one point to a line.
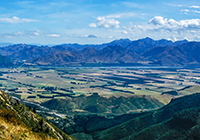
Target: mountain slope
[143, 45]
[5, 61]
[11, 128]
[59, 58]
[177, 120]
[31, 52]
[13, 113]
[19, 52]
[139, 46]
[109, 54]
[89, 54]
[184, 54]
[117, 54]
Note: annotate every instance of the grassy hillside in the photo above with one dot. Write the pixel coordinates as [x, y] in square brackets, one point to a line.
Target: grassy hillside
[13, 128]
[98, 104]
[19, 122]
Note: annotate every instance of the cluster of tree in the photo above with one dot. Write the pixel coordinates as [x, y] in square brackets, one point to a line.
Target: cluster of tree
[67, 90]
[49, 88]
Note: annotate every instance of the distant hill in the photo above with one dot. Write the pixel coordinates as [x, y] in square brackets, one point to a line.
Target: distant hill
[98, 104]
[94, 108]
[117, 54]
[20, 122]
[5, 44]
[59, 58]
[19, 52]
[121, 42]
[109, 54]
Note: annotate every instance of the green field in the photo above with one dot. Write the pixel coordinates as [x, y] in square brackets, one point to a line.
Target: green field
[41, 84]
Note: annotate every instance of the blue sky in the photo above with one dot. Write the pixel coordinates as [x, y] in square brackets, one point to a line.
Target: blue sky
[94, 22]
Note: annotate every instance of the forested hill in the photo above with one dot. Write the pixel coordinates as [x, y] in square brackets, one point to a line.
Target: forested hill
[177, 120]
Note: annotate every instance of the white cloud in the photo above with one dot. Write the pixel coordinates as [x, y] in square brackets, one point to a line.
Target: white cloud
[194, 6]
[158, 20]
[53, 35]
[29, 20]
[36, 33]
[19, 34]
[160, 27]
[131, 14]
[175, 39]
[59, 4]
[16, 20]
[185, 10]
[107, 22]
[89, 36]
[131, 4]
[175, 5]
[124, 32]
[195, 11]
[110, 37]
[92, 25]
[171, 24]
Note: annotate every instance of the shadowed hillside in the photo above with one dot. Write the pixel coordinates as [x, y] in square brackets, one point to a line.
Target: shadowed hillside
[177, 120]
[187, 53]
[5, 61]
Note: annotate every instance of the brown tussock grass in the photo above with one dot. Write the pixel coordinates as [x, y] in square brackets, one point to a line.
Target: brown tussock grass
[12, 129]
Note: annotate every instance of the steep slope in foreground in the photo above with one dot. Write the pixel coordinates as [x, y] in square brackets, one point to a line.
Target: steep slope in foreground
[19, 122]
[177, 120]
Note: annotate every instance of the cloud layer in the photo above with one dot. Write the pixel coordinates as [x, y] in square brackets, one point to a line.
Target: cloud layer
[16, 20]
[53, 35]
[22, 34]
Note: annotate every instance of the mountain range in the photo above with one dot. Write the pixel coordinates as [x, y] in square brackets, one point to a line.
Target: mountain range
[124, 51]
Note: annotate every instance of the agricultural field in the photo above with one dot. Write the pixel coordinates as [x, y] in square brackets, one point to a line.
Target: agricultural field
[42, 84]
